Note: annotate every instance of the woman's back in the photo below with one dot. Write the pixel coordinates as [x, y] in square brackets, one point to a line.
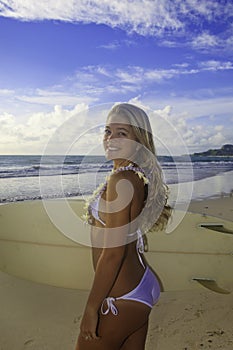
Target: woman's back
[133, 264]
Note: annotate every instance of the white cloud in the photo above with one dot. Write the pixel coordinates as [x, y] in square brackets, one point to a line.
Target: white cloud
[52, 98]
[174, 129]
[208, 9]
[92, 84]
[98, 80]
[111, 46]
[181, 65]
[204, 41]
[191, 108]
[216, 139]
[213, 65]
[176, 23]
[114, 45]
[229, 40]
[31, 136]
[170, 125]
[145, 17]
[219, 127]
[6, 92]
[186, 116]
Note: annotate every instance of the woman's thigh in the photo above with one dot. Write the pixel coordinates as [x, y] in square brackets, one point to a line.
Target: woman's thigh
[136, 340]
[114, 330]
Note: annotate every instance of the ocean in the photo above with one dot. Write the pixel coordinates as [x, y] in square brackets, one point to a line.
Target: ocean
[30, 177]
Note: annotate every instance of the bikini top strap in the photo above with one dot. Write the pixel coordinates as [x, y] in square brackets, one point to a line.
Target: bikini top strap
[140, 246]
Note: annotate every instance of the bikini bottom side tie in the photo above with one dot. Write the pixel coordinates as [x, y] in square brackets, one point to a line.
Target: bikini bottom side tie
[109, 302]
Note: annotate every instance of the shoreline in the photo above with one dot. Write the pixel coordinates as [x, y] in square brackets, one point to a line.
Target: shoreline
[182, 192]
[206, 206]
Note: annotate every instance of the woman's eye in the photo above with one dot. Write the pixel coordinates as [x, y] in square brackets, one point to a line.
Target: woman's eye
[122, 134]
[107, 132]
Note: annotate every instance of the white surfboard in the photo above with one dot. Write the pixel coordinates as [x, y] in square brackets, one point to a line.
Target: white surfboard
[199, 252]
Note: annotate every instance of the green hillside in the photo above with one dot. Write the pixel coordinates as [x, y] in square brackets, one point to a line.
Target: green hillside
[226, 150]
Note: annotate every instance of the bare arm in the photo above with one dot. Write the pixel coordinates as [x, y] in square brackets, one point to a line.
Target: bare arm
[115, 232]
[112, 255]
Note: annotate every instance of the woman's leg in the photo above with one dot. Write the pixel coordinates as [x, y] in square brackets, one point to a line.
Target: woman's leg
[115, 330]
[137, 340]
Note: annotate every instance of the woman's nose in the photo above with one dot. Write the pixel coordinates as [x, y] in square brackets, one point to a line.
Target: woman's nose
[111, 136]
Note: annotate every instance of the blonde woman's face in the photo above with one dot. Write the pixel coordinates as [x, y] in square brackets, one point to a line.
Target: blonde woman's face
[119, 140]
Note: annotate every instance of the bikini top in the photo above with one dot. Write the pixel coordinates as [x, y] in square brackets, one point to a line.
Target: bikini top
[95, 209]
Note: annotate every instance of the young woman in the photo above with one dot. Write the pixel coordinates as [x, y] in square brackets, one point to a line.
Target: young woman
[131, 202]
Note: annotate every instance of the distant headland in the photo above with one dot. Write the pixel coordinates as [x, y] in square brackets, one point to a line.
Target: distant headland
[224, 151]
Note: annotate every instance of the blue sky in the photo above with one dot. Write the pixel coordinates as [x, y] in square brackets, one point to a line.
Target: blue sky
[57, 58]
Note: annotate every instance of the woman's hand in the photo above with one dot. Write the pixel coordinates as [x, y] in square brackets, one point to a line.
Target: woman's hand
[89, 324]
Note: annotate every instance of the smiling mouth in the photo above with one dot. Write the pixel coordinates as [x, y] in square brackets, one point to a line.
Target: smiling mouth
[113, 149]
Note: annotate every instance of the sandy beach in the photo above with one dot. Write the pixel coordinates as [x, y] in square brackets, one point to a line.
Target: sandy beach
[42, 317]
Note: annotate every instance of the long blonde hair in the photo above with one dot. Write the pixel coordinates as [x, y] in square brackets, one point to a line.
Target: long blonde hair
[156, 211]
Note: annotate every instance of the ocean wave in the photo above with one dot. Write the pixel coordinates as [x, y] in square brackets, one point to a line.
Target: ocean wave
[82, 168]
[20, 176]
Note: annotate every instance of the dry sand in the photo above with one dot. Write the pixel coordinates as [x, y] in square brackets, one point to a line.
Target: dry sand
[40, 317]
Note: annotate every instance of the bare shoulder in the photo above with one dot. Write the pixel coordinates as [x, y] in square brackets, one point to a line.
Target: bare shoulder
[132, 179]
